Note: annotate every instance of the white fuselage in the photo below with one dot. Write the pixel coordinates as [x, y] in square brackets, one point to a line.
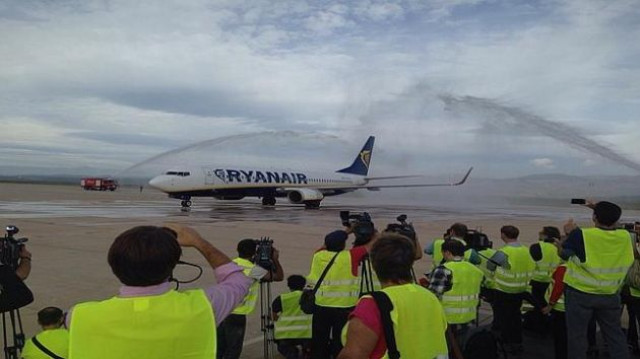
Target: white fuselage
[237, 178]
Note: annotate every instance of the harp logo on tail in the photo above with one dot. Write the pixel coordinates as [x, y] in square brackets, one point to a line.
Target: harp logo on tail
[365, 156]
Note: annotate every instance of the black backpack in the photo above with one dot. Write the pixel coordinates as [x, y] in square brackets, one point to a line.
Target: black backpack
[481, 343]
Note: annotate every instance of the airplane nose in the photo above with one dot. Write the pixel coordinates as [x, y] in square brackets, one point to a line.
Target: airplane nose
[156, 182]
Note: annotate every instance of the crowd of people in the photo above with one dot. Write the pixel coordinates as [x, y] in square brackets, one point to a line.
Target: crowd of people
[367, 300]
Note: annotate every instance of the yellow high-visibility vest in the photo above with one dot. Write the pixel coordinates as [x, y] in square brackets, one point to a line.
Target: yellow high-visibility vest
[339, 288]
[170, 325]
[545, 266]
[559, 305]
[56, 340]
[292, 322]
[521, 266]
[488, 275]
[609, 254]
[249, 302]
[419, 322]
[461, 301]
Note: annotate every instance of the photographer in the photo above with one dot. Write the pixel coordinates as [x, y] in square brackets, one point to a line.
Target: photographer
[412, 314]
[337, 293]
[598, 260]
[231, 330]
[54, 339]
[545, 254]
[457, 284]
[406, 229]
[456, 232]
[148, 318]
[512, 283]
[292, 325]
[23, 268]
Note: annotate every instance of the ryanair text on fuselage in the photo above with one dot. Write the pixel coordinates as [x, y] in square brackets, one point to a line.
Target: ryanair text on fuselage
[245, 176]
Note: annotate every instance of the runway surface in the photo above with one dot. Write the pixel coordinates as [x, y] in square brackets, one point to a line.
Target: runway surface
[70, 231]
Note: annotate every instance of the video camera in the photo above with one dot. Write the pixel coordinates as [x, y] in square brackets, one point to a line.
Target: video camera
[477, 240]
[264, 253]
[349, 219]
[403, 228]
[361, 225]
[10, 247]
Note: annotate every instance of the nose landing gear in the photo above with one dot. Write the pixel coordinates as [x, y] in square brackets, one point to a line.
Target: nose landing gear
[268, 201]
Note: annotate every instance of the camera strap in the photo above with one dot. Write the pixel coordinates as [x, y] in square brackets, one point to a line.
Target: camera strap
[44, 349]
[324, 273]
[178, 282]
[385, 306]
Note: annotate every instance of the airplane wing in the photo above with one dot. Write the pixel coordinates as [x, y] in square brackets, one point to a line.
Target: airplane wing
[391, 177]
[378, 187]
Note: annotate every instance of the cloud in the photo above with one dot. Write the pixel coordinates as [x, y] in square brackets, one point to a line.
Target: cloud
[545, 163]
[152, 76]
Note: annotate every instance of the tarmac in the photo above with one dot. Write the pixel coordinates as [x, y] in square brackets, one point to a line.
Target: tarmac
[70, 231]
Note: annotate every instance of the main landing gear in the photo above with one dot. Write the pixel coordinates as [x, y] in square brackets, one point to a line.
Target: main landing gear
[186, 203]
[268, 201]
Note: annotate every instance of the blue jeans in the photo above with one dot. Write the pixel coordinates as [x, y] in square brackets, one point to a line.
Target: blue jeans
[606, 309]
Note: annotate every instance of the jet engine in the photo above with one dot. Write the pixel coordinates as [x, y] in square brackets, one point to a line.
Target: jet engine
[303, 195]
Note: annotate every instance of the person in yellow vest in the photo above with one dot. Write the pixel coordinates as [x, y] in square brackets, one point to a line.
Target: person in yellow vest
[459, 289]
[598, 260]
[292, 327]
[148, 319]
[53, 341]
[456, 232]
[512, 285]
[416, 317]
[231, 330]
[545, 254]
[338, 291]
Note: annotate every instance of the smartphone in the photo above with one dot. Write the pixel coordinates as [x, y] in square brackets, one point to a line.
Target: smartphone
[578, 201]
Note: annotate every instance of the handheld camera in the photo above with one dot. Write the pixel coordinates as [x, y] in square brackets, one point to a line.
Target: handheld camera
[10, 247]
[477, 240]
[403, 228]
[264, 253]
[349, 219]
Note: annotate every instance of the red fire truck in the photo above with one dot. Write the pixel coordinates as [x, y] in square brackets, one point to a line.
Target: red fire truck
[98, 184]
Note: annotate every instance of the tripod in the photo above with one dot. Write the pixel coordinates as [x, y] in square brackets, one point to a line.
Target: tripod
[266, 319]
[12, 352]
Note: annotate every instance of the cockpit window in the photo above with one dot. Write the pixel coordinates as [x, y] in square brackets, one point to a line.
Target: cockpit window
[181, 174]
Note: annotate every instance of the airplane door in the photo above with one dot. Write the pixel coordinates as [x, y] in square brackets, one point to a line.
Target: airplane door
[208, 176]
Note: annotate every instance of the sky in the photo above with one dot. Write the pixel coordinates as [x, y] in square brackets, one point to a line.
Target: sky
[511, 87]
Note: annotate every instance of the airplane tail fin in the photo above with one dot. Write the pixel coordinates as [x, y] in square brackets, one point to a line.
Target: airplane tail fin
[360, 165]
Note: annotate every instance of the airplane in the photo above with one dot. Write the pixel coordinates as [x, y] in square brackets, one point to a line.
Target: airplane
[235, 183]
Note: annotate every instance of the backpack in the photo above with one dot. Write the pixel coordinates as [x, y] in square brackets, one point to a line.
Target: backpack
[481, 343]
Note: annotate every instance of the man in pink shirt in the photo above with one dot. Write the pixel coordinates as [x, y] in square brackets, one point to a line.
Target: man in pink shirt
[143, 259]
